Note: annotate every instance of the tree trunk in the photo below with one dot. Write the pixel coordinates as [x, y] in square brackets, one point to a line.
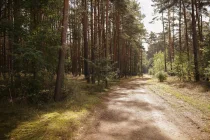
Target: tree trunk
[173, 43]
[85, 30]
[107, 23]
[169, 38]
[180, 30]
[186, 39]
[60, 71]
[195, 43]
[92, 43]
[164, 43]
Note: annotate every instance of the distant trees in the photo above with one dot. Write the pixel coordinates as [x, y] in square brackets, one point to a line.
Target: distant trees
[186, 36]
[111, 30]
[38, 41]
[30, 36]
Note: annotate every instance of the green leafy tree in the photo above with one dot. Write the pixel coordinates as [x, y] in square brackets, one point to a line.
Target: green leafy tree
[158, 62]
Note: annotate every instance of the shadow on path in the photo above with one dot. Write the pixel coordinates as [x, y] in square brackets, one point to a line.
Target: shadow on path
[130, 113]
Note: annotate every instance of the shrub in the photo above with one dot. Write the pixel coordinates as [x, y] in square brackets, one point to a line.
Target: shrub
[151, 72]
[73, 90]
[207, 70]
[158, 63]
[161, 76]
[104, 70]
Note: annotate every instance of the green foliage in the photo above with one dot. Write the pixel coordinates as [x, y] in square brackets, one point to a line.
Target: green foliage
[158, 62]
[104, 69]
[155, 44]
[161, 76]
[206, 49]
[34, 67]
[34, 44]
[157, 66]
[68, 64]
[73, 90]
[182, 68]
[151, 72]
[32, 36]
[207, 70]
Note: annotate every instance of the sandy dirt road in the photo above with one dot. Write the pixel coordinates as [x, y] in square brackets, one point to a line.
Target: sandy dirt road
[133, 112]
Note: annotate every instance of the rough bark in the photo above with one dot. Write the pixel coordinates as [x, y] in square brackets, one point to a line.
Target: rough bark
[195, 43]
[85, 39]
[60, 71]
[186, 38]
[164, 43]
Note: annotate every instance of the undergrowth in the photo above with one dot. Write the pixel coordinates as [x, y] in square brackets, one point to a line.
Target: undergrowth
[52, 120]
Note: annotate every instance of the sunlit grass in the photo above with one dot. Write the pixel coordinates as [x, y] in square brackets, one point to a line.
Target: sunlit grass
[195, 94]
[52, 121]
[199, 103]
[58, 123]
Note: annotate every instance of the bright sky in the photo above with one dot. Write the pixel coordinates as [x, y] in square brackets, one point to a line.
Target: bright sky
[148, 11]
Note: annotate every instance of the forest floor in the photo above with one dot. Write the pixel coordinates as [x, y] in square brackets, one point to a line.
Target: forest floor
[144, 109]
[51, 120]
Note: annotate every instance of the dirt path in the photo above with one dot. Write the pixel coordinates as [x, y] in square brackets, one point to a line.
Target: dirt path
[133, 112]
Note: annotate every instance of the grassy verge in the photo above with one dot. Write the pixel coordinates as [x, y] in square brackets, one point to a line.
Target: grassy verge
[53, 120]
[193, 96]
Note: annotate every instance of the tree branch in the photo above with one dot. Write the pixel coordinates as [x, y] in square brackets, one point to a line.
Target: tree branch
[168, 6]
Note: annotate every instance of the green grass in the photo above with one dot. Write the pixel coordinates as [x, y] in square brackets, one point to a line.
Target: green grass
[51, 121]
[200, 104]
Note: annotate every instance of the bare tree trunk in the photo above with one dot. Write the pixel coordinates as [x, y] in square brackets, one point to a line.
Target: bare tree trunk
[186, 39]
[85, 30]
[92, 42]
[118, 39]
[164, 43]
[99, 31]
[115, 37]
[195, 43]
[107, 23]
[200, 32]
[173, 44]
[141, 61]
[169, 38]
[180, 30]
[60, 71]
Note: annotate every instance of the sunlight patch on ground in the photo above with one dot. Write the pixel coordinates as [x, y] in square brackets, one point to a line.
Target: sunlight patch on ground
[57, 121]
[52, 124]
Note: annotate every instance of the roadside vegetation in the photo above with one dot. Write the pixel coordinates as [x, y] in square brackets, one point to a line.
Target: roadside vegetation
[195, 94]
[51, 120]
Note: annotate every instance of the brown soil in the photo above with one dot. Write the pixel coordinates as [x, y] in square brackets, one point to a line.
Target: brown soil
[133, 112]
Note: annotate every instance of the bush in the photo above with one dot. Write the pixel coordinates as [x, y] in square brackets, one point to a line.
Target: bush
[104, 70]
[73, 90]
[158, 63]
[151, 72]
[161, 76]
